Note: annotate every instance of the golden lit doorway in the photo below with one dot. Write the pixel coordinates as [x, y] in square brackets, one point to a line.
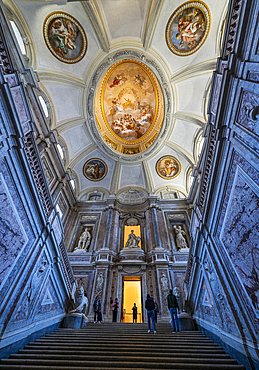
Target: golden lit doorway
[131, 294]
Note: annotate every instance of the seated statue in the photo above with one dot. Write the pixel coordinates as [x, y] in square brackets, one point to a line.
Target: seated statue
[81, 302]
[132, 241]
[84, 242]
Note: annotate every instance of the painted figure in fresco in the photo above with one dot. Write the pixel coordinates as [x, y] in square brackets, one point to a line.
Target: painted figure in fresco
[64, 32]
[191, 25]
[118, 80]
[132, 241]
[94, 170]
[139, 80]
[84, 241]
[180, 240]
[169, 169]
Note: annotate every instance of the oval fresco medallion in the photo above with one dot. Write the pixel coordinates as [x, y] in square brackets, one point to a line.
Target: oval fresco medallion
[188, 28]
[129, 107]
[65, 37]
[168, 167]
[95, 169]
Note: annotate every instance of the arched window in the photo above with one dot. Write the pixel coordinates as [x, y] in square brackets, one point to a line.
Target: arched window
[44, 106]
[18, 37]
[61, 152]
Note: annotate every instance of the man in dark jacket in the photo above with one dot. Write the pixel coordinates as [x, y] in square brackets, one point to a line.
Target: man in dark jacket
[150, 306]
[173, 308]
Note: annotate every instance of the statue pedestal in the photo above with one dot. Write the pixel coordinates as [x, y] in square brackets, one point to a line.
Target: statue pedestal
[132, 255]
[75, 321]
[186, 322]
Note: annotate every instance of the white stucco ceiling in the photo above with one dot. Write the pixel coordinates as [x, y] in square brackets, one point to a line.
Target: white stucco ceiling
[114, 25]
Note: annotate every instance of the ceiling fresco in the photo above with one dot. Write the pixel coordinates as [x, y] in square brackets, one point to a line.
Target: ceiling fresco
[188, 28]
[127, 86]
[65, 37]
[129, 107]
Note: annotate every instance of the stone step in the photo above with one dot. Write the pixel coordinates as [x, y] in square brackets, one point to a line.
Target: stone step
[123, 352]
[112, 357]
[135, 363]
[175, 367]
[128, 345]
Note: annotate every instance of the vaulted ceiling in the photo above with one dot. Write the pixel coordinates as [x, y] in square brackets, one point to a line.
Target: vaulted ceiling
[136, 29]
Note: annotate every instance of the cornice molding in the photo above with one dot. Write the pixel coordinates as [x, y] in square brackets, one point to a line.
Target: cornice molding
[193, 71]
[180, 150]
[152, 15]
[81, 155]
[93, 11]
[47, 76]
[189, 117]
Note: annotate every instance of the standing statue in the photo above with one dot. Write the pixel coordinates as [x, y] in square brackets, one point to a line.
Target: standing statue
[180, 240]
[132, 241]
[164, 283]
[99, 285]
[84, 241]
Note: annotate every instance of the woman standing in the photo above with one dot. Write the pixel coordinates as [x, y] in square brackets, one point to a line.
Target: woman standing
[115, 308]
[135, 312]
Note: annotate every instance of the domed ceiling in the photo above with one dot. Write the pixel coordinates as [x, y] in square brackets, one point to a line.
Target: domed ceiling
[128, 85]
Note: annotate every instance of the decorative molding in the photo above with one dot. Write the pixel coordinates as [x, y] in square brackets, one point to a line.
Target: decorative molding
[94, 13]
[152, 16]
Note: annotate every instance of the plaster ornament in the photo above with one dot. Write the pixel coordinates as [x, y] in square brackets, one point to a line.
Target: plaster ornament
[84, 242]
[81, 302]
[132, 241]
[180, 240]
[36, 279]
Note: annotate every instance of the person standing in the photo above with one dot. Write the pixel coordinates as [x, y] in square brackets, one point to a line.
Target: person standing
[156, 310]
[135, 312]
[115, 309]
[150, 306]
[174, 309]
[97, 306]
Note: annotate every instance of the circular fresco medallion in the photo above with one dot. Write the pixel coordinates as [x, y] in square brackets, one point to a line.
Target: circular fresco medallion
[95, 169]
[168, 167]
[129, 107]
[65, 37]
[188, 28]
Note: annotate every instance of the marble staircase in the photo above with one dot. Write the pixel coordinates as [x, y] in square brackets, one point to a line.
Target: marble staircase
[121, 346]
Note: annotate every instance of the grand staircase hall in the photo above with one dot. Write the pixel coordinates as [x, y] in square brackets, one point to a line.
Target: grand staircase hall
[121, 346]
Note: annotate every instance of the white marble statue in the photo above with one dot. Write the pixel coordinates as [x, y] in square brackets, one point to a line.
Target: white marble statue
[164, 283]
[177, 292]
[132, 241]
[180, 240]
[81, 302]
[84, 242]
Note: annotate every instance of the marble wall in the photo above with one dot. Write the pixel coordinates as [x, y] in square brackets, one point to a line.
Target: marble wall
[222, 273]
